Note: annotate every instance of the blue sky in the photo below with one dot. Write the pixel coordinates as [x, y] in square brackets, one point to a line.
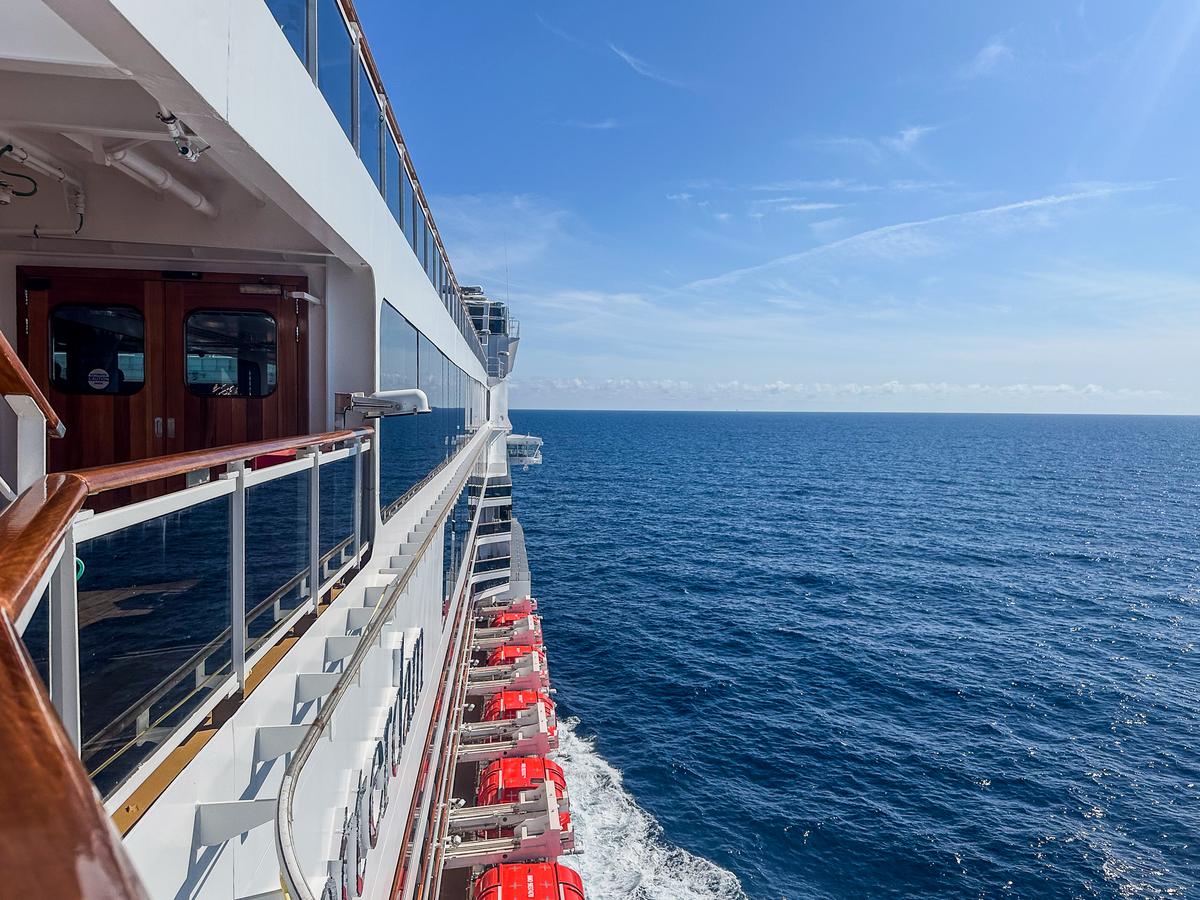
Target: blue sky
[801, 205]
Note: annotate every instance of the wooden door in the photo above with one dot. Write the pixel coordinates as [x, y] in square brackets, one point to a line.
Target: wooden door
[93, 344]
[236, 367]
[143, 363]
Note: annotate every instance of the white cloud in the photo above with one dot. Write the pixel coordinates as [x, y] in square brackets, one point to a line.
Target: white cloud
[558, 32]
[643, 68]
[908, 238]
[908, 138]
[874, 150]
[485, 233]
[597, 125]
[742, 392]
[991, 57]
[807, 207]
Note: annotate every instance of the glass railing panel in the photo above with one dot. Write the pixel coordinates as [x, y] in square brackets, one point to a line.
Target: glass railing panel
[370, 126]
[493, 565]
[492, 528]
[481, 586]
[154, 644]
[292, 16]
[277, 548]
[36, 637]
[335, 56]
[337, 514]
[393, 179]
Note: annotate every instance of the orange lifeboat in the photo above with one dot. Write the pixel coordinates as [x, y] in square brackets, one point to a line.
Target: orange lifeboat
[503, 656]
[502, 780]
[529, 881]
[506, 705]
[511, 618]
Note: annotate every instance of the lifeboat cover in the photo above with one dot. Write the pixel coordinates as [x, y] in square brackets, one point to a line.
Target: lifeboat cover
[529, 881]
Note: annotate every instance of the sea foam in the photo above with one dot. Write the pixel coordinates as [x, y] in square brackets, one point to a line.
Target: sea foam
[624, 855]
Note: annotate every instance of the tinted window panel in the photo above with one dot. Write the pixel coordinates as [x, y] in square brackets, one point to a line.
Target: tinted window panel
[292, 16]
[334, 57]
[401, 463]
[97, 350]
[369, 130]
[230, 353]
[406, 204]
[397, 351]
[393, 179]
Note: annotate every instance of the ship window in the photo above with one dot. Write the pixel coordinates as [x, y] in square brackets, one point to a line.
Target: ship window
[407, 204]
[428, 250]
[335, 52]
[368, 125]
[292, 16]
[97, 350]
[393, 179]
[231, 353]
[417, 217]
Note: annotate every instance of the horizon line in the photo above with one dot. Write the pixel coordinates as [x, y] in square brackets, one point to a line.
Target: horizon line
[864, 412]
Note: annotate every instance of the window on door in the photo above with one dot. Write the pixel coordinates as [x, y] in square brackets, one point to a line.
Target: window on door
[231, 353]
[97, 350]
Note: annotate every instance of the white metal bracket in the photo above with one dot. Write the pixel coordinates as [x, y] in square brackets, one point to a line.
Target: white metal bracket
[219, 822]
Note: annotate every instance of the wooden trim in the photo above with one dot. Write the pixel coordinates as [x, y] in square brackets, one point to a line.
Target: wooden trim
[56, 839]
[298, 282]
[31, 529]
[15, 379]
[122, 475]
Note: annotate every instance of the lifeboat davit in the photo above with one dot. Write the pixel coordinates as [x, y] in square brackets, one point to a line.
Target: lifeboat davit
[506, 705]
[529, 881]
[518, 605]
[511, 618]
[503, 780]
[503, 656]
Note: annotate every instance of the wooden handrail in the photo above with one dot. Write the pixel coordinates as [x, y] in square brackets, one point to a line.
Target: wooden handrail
[33, 526]
[15, 379]
[31, 529]
[55, 838]
[142, 471]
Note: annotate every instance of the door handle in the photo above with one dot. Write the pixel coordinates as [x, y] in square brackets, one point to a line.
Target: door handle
[158, 426]
[171, 427]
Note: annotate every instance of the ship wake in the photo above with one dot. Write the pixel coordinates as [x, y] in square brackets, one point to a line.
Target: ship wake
[624, 855]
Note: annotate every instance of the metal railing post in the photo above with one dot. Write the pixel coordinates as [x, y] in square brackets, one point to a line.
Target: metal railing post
[314, 528]
[372, 483]
[311, 38]
[31, 442]
[237, 571]
[64, 640]
[358, 500]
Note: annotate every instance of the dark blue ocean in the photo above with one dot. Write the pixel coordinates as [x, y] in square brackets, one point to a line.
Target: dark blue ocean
[812, 656]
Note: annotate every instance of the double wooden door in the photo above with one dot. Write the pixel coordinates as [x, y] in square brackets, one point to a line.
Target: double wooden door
[140, 364]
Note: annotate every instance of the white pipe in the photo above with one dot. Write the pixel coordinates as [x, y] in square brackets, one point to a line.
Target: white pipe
[44, 164]
[134, 164]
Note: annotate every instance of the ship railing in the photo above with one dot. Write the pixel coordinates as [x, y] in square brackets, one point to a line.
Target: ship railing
[278, 518]
[361, 105]
[492, 564]
[314, 778]
[146, 625]
[59, 840]
[487, 529]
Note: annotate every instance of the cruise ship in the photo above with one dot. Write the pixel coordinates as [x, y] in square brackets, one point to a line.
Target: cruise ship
[268, 627]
